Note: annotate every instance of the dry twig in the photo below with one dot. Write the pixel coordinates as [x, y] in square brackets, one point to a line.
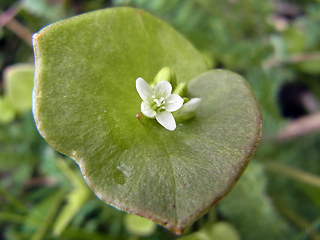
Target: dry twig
[300, 127]
[7, 20]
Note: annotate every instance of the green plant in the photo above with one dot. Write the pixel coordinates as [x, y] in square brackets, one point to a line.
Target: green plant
[85, 105]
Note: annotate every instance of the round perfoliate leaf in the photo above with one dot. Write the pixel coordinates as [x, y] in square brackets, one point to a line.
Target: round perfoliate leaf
[85, 105]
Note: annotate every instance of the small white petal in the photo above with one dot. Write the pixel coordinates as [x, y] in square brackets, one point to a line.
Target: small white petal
[162, 89]
[192, 105]
[166, 120]
[143, 88]
[173, 102]
[188, 110]
[147, 110]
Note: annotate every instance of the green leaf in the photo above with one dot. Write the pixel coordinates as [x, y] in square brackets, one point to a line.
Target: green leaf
[200, 235]
[6, 111]
[17, 155]
[18, 86]
[295, 40]
[43, 8]
[309, 66]
[247, 207]
[85, 103]
[218, 231]
[41, 216]
[139, 226]
[75, 199]
[223, 230]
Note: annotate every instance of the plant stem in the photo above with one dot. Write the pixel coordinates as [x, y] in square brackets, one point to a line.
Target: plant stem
[293, 173]
[301, 126]
[43, 228]
[11, 217]
[297, 58]
[298, 220]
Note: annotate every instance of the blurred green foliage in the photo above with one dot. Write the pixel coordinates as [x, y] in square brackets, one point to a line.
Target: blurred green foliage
[271, 43]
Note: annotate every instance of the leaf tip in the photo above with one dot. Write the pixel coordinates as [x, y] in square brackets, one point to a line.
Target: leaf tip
[35, 37]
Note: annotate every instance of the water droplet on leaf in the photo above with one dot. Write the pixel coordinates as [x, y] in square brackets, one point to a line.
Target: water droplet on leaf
[118, 176]
[121, 173]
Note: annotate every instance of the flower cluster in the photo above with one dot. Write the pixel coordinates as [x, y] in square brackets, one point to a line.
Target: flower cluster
[160, 103]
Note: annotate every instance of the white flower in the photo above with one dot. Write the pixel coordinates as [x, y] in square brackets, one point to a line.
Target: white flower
[159, 102]
[188, 109]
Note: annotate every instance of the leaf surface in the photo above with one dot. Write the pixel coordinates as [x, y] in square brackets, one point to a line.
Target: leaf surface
[85, 105]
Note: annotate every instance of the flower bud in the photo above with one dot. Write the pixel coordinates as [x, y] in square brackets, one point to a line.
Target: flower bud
[188, 109]
[181, 89]
[165, 74]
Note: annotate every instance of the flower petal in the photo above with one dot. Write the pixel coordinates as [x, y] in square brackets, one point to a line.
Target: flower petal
[147, 110]
[143, 88]
[166, 120]
[187, 110]
[191, 106]
[162, 89]
[173, 102]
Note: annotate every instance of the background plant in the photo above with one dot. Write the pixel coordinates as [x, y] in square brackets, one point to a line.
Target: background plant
[274, 44]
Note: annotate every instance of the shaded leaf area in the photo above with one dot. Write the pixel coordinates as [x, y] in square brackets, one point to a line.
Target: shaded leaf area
[150, 172]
